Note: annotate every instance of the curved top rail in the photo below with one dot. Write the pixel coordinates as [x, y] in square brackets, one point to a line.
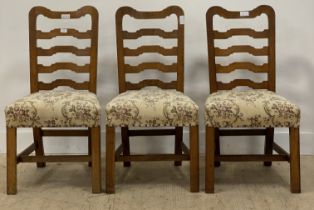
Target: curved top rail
[263, 9]
[39, 10]
[149, 14]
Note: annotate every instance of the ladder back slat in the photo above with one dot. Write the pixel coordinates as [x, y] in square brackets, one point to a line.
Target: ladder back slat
[63, 66]
[241, 49]
[63, 49]
[242, 82]
[151, 82]
[242, 65]
[150, 32]
[150, 49]
[69, 32]
[63, 82]
[153, 65]
[241, 32]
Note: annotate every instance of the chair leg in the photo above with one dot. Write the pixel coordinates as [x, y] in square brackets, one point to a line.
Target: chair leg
[194, 159]
[210, 160]
[89, 146]
[39, 146]
[178, 144]
[269, 141]
[96, 159]
[110, 159]
[125, 144]
[11, 161]
[295, 183]
[217, 146]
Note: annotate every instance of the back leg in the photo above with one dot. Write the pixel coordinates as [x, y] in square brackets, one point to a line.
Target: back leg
[39, 146]
[217, 146]
[269, 141]
[178, 144]
[89, 145]
[125, 144]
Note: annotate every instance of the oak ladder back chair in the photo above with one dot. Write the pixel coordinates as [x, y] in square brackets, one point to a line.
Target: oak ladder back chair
[139, 105]
[254, 112]
[46, 109]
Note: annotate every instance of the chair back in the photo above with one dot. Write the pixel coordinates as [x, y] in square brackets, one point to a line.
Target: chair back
[216, 68]
[124, 52]
[36, 35]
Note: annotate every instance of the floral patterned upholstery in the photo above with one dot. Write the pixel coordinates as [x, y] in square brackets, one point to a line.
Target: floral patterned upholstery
[152, 107]
[54, 109]
[251, 108]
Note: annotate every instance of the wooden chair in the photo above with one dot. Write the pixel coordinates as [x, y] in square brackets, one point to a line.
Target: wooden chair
[46, 108]
[259, 109]
[141, 106]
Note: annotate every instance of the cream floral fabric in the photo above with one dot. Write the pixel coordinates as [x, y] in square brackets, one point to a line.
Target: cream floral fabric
[54, 109]
[251, 108]
[152, 107]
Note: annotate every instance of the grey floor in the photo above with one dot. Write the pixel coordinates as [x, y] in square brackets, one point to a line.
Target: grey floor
[159, 185]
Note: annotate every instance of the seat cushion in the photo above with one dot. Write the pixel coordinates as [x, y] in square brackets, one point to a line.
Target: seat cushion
[152, 107]
[251, 108]
[54, 109]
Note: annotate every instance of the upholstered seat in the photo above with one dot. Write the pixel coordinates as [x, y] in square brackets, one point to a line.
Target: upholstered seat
[251, 108]
[152, 107]
[54, 109]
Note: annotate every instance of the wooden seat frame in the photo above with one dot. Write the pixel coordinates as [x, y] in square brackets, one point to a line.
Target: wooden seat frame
[213, 156]
[92, 133]
[123, 151]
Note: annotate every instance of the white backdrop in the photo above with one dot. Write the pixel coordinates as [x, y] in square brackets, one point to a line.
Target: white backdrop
[295, 63]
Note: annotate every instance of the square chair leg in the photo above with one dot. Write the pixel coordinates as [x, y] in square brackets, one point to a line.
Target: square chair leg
[295, 183]
[178, 144]
[11, 161]
[269, 142]
[217, 146]
[39, 146]
[110, 159]
[126, 144]
[89, 145]
[210, 160]
[96, 159]
[194, 159]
